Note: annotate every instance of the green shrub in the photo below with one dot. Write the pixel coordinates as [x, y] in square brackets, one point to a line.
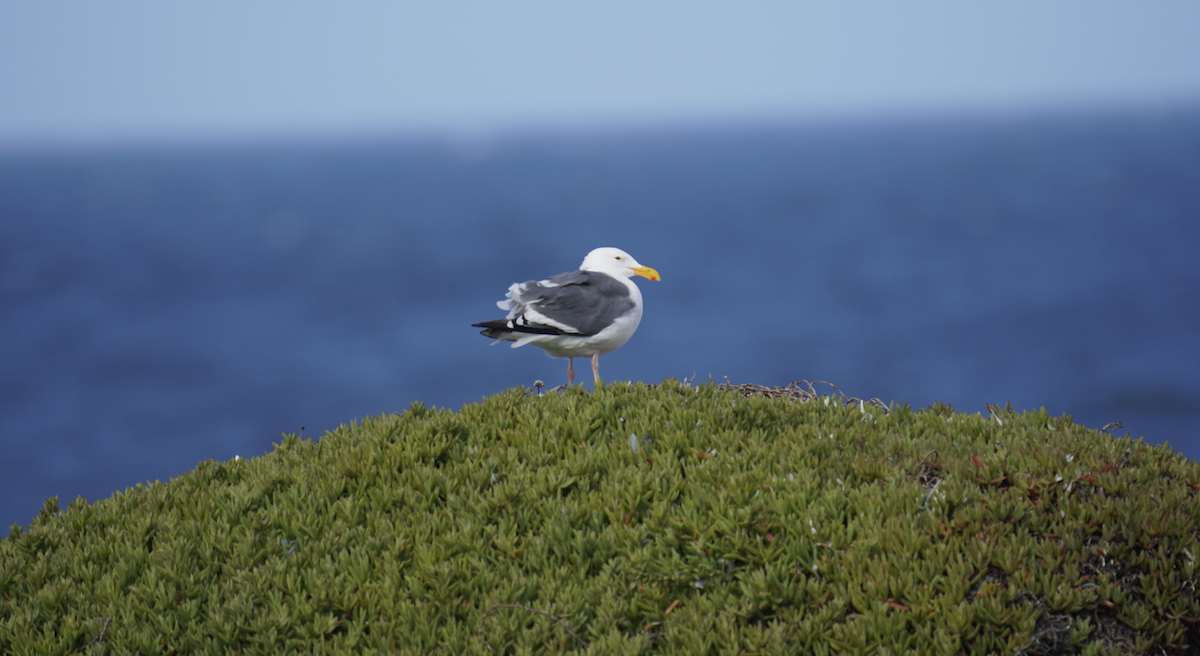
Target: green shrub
[663, 519]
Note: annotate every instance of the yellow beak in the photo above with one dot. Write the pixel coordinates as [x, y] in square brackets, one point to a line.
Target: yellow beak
[646, 272]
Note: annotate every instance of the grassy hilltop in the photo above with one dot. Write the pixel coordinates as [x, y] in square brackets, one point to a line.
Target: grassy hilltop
[660, 520]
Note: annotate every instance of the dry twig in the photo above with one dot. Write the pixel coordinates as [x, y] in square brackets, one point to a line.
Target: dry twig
[530, 610]
[801, 391]
[99, 640]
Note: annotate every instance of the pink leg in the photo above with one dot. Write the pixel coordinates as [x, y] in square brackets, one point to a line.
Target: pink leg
[596, 366]
[570, 372]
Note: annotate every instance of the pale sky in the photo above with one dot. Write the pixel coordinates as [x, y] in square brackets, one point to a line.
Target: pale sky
[124, 70]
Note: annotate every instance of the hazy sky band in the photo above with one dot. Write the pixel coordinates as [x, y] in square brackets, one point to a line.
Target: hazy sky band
[121, 68]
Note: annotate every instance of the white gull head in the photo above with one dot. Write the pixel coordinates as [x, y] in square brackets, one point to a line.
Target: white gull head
[616, 263]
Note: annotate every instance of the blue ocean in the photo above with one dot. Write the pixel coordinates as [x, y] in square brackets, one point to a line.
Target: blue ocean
[161, 306]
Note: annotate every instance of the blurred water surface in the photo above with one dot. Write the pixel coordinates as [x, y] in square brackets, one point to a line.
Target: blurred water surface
[159, 307]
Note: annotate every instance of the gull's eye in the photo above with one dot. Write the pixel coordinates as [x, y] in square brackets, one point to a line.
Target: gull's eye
[618, 257]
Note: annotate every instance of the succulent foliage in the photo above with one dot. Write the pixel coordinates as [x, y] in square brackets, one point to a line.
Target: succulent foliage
[662, 519]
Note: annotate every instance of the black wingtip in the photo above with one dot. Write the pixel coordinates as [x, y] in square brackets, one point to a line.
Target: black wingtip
[505, 326]
[493, 329]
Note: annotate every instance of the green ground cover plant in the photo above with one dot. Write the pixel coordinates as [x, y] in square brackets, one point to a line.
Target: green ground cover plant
[666, 519]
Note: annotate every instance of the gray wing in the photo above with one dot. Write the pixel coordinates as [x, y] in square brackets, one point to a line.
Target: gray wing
[586, 302]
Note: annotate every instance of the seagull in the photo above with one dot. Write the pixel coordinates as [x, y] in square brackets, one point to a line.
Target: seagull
[589, 312]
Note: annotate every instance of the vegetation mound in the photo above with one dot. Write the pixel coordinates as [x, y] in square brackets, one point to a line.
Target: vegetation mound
[633, 519]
